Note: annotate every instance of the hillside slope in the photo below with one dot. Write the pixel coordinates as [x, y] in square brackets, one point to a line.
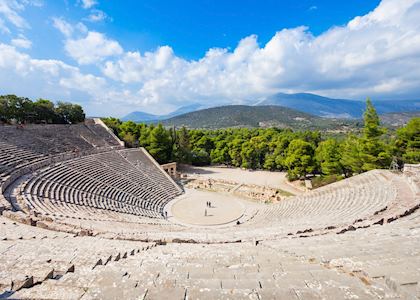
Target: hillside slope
[336, 108]
[140, 116]
[398, 119]
[253, 116]
[309, 103]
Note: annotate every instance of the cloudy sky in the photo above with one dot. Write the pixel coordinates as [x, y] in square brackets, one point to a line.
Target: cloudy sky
[115, 57]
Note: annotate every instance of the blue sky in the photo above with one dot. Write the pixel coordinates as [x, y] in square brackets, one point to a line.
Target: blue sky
[192, 27]
[114, 57]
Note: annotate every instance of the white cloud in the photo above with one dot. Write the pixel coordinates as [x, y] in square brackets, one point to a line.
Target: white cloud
[9, 10]
[21, 64]
[22, 42]
[85, 46]
[3, 27]
[93, 48]
[22, 75]
[63, 26]
[67, 29]
[83, 82]
[134, 67]
[97, 15]
[86, 4]
[373, 55]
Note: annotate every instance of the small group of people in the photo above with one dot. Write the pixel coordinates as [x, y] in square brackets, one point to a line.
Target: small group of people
[208, 204]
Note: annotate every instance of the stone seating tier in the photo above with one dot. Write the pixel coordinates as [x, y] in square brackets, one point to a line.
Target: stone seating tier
[32, 255]
[377, 263]
[105, 181]
[354, 239]
[354, 203]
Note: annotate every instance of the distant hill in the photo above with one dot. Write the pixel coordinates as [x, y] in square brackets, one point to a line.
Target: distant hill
[312, 104]
[139, 116]
[183, 110]
[262, 116]
[336, 108]
[254, 116]
[398, 119]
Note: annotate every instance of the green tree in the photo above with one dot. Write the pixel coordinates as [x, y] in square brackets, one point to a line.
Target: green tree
[351, 159]
[200, 157]
[160, 144]
[277, 151]
[369, 151]
[220, 154]
[129, 139]
[299, 153]
[328, 156]
[6, 113]
[183, 146]
[145, 132]
[299, 159]
[371, 127]
[22, 109]
[270, 162]
[70, 113]
[129, 133]
[129, 127]
[204, 143]
[17, 108]
[235, 149]
[113, 123]
[408, 142]
[375, 153]
[253, 152]
[44, 111]
[249, 156]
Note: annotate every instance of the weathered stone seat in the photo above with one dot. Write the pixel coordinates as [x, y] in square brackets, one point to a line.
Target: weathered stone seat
[84, 220]
[95, 181]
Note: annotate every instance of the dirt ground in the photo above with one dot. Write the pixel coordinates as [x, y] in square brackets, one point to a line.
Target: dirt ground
[191, 208]
[276, 180]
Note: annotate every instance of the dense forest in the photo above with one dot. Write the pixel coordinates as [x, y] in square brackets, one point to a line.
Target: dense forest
[24, 110]
[300, 153]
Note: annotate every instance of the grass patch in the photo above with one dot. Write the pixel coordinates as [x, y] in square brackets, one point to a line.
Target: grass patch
[284, 193]
[319, 181]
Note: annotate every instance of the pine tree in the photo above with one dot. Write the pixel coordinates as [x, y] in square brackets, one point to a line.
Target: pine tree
[160, 144]
[371, 127]
[407, 145]
[144, 132]
[129, 133]
[328, 156]
[375, 153]
[351, 159]
[298, 159]
[369, 151]
[183, 146]
[220, 154]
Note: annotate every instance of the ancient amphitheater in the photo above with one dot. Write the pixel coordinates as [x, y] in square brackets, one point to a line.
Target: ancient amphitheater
[85, 218]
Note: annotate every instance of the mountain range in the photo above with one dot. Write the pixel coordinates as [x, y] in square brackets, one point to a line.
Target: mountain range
[336, 108]
[139, 116]
[304, 102]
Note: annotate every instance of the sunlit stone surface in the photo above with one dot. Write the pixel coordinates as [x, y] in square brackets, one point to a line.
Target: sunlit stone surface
[84, 218]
